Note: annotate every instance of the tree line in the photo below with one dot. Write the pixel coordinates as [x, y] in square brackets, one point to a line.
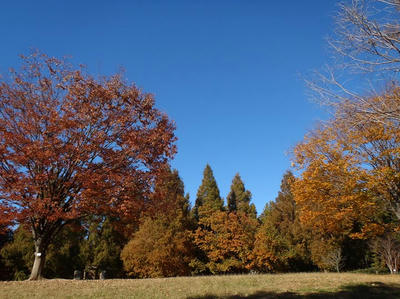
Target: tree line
[214, 237]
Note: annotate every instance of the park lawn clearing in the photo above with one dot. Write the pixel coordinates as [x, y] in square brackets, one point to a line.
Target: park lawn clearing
[294, 285]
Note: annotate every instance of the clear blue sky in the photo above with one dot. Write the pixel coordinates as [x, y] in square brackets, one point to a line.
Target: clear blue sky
[228, 72]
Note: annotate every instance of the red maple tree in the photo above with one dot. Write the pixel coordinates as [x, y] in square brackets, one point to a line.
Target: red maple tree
[72, 145]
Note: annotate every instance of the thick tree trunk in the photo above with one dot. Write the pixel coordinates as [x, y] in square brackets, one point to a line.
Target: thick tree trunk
[43, 234]
[40, 257]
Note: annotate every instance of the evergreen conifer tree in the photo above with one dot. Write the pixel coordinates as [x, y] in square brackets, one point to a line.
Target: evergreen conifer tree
[208, 197]
[239, 198]
[102, 247]
[281, 243]
[168, 198]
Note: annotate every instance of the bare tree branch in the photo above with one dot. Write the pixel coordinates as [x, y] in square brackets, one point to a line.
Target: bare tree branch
[366, 58]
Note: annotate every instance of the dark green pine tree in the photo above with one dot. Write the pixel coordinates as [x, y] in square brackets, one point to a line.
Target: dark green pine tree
[17, 254]
[239, 198]
[102, 247]
[208, 198]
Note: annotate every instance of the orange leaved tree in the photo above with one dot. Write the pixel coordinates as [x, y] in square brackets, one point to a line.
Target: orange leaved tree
[350, 166]
[227, 239]
[162, 246]
[350, 175]
[72, 145]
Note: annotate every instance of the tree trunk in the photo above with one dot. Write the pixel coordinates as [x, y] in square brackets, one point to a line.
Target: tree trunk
[40, 257]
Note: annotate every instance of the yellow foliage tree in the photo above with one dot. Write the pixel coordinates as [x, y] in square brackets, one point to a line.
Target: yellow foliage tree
[227, 239]
[158, 249]
[350, 176]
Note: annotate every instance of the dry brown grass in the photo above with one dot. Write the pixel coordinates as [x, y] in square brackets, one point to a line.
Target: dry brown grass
[299, 285]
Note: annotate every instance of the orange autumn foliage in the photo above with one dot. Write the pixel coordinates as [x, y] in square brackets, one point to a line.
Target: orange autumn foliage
[227, 239]
[331, 192]
[350, 173]
[162, 246]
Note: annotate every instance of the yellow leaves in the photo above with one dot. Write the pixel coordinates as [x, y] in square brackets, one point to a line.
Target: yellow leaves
[158, 249]
[369, 230]
[327, 191]
[350, 173]
[227, 239]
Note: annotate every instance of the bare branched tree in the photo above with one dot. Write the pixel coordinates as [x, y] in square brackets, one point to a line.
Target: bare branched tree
[368, 34]
[334, 259]
[388, 247]
[366, 58]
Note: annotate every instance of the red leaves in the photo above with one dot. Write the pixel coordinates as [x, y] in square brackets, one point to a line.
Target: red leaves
[6, 218]
[70, 143]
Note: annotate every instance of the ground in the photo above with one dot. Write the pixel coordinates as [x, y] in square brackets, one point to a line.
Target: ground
[298, 285]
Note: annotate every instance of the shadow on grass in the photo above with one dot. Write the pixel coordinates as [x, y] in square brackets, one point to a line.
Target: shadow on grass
[372, 290]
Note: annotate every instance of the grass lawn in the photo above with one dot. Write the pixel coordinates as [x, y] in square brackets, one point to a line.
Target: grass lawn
[298, 285]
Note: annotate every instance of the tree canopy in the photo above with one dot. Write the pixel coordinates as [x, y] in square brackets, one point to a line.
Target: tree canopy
[208, 197]
[71, 144]
[239, 198]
